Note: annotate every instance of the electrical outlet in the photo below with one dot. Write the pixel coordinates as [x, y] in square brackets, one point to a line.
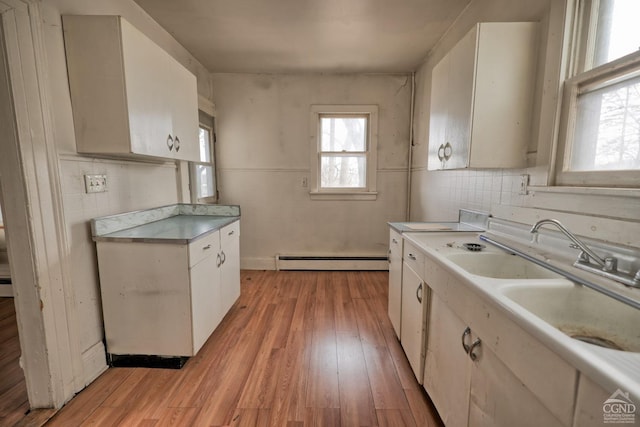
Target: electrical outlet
[95, 183]
[524, 183]
[305, 182]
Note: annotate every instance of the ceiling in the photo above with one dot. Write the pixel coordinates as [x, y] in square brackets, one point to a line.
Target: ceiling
[276, 36]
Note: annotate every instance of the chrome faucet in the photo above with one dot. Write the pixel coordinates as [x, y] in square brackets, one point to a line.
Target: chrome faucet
[608, 267]
[607, 264]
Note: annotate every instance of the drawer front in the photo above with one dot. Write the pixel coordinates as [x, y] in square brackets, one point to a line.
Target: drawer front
[414, 258]
[230, 232]
[209, 245]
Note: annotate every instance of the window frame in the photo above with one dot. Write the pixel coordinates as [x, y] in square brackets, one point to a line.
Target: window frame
[369, 191]
[579, 81]
[208, 123]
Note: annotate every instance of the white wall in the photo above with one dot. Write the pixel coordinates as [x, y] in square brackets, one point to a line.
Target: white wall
[263, 152]
[131, 185]
[437, 195]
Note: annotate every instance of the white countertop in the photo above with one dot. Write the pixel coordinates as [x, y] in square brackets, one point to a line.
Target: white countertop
[611, 369]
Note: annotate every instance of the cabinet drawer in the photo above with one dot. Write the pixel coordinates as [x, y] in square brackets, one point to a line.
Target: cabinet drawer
[204, 247]
[414, 258]
[229, 232]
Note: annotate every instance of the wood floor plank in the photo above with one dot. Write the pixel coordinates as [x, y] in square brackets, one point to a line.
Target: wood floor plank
[356, 402]
[298, 349]
[385, 386]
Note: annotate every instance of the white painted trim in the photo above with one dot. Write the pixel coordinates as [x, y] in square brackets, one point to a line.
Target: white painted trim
[45, 303]
[206, 105]
[94, 362]
[368, 193]
[257, 263]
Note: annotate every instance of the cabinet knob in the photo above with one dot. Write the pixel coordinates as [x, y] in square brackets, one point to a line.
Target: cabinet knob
[231, 233]
[170, 142]
[413, 257]
[176, 143]
[395, 242]
[441, 152]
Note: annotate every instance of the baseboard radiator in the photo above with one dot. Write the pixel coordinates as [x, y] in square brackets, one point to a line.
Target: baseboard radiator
[297, 262]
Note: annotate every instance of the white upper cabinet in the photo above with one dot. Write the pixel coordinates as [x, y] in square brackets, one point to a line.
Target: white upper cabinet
[129, 96]
[482, 98]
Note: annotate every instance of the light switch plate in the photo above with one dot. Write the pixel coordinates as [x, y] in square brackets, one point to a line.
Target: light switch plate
[95, 183]
[524, 183]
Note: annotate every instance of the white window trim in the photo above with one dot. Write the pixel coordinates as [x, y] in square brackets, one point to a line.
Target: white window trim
[192, 171]
[572, 87]
[367, 193]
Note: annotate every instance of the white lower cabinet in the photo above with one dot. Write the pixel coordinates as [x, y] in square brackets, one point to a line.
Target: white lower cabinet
[447, 368]
[467, 381]
[166, 299]
[395, 280]
[414, 301]
[229, 265]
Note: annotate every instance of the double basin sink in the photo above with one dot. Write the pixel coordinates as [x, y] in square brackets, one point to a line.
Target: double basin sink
[575, 310]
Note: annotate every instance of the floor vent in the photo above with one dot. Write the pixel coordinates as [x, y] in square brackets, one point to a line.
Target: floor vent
[344, 263]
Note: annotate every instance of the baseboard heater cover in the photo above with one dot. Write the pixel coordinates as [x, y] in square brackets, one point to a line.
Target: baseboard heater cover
[305, 262]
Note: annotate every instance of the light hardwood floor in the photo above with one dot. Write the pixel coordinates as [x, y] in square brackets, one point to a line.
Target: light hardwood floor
[297, 349]
[13, 392]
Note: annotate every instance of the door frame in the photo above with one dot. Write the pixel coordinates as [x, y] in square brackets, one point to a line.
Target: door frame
[36, 233]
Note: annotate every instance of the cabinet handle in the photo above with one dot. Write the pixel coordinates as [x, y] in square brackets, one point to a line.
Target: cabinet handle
[170, 142]
[218, 261]
[389, 256]
[394, 241]
[472, 354]
[441, 150]
[177, 143]
[448, 151]
[419, 293]
[206, 247]
[224, 257]
[231, 233]
[413, 257]
[467, 332]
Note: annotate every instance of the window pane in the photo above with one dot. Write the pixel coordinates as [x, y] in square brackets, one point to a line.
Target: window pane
[343, 134]
[205, 145]
[618, 32]
[204, 181]
[608, 128]
[343, 171]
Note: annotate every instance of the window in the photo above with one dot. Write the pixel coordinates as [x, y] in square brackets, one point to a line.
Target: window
[203, 173]
[602, 99]
[344, 144]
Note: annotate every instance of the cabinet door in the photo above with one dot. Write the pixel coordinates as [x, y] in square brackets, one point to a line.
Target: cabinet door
[460, 97]
[395, 281]
[414, 295]
[438, 113]
[447, 365]
[148, 85]
[206, 307]
[230, 270]
[499, 398]
[184, 111]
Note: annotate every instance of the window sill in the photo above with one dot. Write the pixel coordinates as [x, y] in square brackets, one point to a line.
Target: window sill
[593, 191]
[343, 195]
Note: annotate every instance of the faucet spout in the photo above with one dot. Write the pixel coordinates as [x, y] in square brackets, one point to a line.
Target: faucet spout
[579, 244]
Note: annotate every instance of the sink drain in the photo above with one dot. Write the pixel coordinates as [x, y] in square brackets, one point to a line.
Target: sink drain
[600, 342]
[473, 247]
